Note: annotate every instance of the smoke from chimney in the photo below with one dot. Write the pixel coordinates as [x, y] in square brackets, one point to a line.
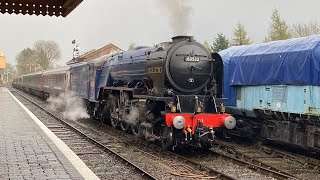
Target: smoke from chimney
[179, 15]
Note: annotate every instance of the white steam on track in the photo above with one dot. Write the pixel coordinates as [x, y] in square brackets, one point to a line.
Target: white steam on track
[133, 116]
[71, 106]
[179, 14]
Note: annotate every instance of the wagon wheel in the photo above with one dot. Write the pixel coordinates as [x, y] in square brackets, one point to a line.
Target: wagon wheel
[89, 110]
[136, 131]
[105, 114]
[114, 120]
[166, 138]
[124, 126]
[114, 109]
[135, 125]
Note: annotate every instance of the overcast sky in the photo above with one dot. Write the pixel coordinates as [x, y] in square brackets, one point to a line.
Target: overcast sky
[95, 23]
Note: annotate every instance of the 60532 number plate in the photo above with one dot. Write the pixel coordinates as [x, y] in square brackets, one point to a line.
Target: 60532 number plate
[192, 59]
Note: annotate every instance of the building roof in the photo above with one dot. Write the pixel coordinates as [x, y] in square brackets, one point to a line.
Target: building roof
[39, 7]
[105, 50]
[94, 54]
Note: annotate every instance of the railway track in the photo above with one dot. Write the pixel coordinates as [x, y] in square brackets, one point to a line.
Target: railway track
[307, 161]
[178, 166]
[290, 165]
[202, 160]
[210, 160]
[84, 146]
[206, 165]
[212, 156]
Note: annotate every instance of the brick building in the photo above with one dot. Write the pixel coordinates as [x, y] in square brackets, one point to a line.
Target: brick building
[93, 54]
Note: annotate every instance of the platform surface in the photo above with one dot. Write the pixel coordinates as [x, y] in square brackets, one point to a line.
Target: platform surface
[27, 151]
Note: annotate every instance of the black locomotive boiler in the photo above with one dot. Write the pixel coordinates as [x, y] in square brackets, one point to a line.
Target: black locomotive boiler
[175, 85]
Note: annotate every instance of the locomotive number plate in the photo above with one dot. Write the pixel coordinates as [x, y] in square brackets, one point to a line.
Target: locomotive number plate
[155, 70]
[192, 59]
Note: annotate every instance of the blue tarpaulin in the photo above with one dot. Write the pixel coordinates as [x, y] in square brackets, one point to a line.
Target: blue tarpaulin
[229, 92]
[290, 62]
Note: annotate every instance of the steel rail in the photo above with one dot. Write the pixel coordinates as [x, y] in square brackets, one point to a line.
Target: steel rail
[307, 161]
[255, 165]
[264, 167]
[142, 172]
[212, 173]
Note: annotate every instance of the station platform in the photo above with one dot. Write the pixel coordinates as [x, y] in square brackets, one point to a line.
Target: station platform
[29, 150]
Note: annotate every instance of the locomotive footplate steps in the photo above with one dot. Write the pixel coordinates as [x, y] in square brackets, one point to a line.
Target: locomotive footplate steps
[29, 150]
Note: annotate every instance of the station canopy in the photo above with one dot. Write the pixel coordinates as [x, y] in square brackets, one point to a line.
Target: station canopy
[39, 7]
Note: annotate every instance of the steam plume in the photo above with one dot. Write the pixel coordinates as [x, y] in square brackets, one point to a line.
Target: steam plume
[70, 105]
[133, 116]
[179, 14]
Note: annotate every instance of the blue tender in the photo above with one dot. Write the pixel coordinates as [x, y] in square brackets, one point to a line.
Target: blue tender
[124, 67]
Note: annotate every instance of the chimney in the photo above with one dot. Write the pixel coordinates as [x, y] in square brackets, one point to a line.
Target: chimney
[182, 38]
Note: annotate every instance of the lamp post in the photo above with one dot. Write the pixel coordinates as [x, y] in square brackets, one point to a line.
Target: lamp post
[76, 53]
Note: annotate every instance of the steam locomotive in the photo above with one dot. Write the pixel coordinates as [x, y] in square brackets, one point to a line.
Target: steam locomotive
[170, 93]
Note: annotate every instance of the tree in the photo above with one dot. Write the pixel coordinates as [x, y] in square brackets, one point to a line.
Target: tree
[240, 36]
[131, 46]
[220, 42]
[25, 61]
[8, 73]
[278, 28]
[47, 52]
[305, 29]
[208, 46]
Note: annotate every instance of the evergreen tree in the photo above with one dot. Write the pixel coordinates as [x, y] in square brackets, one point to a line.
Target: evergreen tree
[240, 36]
[278, 28]
[220, 42]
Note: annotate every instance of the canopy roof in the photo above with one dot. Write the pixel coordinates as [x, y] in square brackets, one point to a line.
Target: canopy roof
[39, 7]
